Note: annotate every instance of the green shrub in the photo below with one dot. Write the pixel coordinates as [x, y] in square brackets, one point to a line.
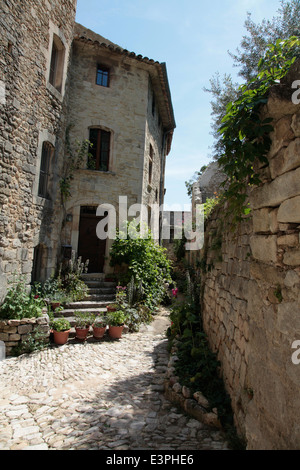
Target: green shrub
[116, 318]
[147, 264]
[19, 303]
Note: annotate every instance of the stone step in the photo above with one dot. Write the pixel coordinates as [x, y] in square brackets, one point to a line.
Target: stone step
[100, 298]
[87, 276]
[84, 304]
[101, 284]
[102, 290]
[98, 291]
[69, 312]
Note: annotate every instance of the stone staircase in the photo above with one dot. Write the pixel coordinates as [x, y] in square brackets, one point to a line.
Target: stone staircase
[101, 293]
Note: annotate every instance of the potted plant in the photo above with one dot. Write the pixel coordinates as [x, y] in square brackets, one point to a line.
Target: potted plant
[61, 330]
[112, 307]
[82, 325]
[99, 327]
[57, 299]
[116, 322]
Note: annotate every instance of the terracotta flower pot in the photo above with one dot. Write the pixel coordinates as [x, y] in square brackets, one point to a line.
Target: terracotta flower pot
[81, 333]
[54, 305]
[99, 332]
[115, 332]
[111, 308]
[61, 337]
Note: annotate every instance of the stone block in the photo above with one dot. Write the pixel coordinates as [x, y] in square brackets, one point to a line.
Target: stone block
[24, 329]
[291, 239]
[261, 220]
[201, 400]
[292, 258]
[291, 279]
[186, 392]
[295, 126]
[264, 248]
[282, 134]
[289, 211]
[287, 159]
[288, 320]
[4, 337]
[14, 337]
[284, 187]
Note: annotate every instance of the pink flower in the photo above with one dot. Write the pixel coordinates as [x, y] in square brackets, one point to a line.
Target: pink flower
[175, 292]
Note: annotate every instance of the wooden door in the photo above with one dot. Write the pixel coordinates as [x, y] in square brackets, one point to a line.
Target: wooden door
[90, 247]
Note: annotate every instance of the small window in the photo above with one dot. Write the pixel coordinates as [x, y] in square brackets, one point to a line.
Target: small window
[57, 63]
[153, 105]
[99, 151]
[45, 170]
[150, 168]
[102, 77]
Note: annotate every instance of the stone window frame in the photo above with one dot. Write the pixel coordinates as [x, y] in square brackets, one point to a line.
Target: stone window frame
[44, 136]
[108, 130]
[58, 40]
[46, 170]
[150, 164]
[105, 72]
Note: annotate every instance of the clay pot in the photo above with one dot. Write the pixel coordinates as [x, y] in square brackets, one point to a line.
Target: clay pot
[81, 333]
[111, 308]
[61, 337]
[99, 332]
[115, 332]
[54, 305]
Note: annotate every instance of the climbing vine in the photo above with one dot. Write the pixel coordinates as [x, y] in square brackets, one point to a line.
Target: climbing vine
[246, 136]
[74, 156]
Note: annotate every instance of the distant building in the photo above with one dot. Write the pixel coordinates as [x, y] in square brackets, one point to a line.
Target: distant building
[209, 183]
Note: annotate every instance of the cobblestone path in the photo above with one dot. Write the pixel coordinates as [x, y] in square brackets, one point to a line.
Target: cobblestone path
[104, 395]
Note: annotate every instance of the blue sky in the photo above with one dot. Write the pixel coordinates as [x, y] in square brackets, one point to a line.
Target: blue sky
[192, 38]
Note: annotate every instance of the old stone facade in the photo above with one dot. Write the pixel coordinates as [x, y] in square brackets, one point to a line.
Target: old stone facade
[56, 75]
[251, 303]
[133, 110]
[32, 109]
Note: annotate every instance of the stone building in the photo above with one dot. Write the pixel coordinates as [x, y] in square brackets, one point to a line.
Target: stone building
[59, 79]
[208, 184]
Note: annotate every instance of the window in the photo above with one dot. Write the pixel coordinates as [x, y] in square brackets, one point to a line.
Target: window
[153, 105]
[98, 158]
[150, 169]
[45, 170]
[102, 77]
[57, 63]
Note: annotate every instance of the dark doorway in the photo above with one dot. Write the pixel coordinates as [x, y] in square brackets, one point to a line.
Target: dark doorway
[90, 247]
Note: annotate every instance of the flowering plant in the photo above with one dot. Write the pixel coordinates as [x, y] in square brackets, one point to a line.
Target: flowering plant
[121, 295]
[175, 292]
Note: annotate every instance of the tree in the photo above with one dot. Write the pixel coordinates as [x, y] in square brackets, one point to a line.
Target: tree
[193, 179]
[247, 57]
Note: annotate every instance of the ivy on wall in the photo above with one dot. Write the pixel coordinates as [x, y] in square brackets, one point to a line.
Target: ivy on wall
[246, 136]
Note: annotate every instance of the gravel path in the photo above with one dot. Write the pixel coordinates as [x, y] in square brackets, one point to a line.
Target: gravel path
[104, 395]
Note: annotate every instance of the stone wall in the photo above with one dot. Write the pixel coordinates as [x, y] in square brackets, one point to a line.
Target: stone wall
[14, 332]
[31, 111]
[251, 300]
